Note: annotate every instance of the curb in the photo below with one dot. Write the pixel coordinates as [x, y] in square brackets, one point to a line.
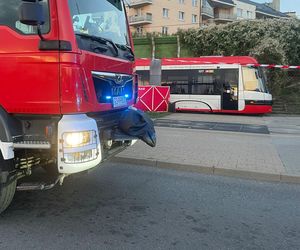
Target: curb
[245, 174]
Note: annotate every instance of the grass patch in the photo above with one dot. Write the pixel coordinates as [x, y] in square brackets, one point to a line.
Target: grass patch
[156, 115]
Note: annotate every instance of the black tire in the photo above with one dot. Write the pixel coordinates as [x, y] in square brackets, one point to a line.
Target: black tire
[8, 189]
[7, 193]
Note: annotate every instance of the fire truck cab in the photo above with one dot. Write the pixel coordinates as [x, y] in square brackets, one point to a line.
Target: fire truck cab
[67, 85]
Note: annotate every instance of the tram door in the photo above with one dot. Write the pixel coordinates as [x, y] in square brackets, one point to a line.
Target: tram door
[229, 97]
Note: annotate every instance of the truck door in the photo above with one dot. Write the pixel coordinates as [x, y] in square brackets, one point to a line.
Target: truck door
[29, 74]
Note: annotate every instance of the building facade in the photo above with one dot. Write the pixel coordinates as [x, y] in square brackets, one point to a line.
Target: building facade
[163, 16]
[232, 10]
[168, 16]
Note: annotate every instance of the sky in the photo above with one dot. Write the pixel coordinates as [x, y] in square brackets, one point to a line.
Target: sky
[286, 5]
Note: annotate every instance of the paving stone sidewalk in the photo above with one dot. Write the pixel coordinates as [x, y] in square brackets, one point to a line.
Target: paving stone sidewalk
[217, 152]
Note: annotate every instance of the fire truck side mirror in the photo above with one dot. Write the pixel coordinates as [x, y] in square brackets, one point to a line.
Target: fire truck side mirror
[31, 13]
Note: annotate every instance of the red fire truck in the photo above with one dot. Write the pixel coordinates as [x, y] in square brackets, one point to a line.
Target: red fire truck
[67, 85]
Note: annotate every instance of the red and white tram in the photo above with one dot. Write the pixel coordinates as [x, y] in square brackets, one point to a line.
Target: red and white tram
[212, 84]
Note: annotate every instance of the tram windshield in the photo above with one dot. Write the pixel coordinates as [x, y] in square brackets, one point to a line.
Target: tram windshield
[254, 79]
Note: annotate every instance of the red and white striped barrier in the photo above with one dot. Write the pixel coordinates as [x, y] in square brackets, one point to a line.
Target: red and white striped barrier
[272, 66]
[269, 66]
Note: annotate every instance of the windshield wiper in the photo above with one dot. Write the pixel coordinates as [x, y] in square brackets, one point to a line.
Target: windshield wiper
[127, 48]
[101, 40]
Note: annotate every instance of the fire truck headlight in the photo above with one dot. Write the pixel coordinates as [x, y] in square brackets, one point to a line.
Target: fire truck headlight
[80, 147]
[81, 157]
[79, 139]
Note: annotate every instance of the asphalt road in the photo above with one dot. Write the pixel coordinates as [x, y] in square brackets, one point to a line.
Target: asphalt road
[131, 207]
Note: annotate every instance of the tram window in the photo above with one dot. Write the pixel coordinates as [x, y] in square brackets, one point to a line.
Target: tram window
[205, 83]
[177, 88]
[253, 80]
[200, 82]
[177, 80]
[211, 82]
[263, 79]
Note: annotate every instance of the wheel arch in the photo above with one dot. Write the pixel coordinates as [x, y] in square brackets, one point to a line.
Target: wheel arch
[9, 127]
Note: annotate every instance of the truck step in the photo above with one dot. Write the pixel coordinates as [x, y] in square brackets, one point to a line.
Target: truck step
[33, 144]
[32, 186]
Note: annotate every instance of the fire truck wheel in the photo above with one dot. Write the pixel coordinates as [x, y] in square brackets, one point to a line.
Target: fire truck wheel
[8, 189]
[6, 195]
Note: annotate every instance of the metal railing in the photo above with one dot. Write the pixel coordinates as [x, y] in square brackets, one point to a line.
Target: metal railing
[219, 3]
[206, 10]
[141, 18]
[225, 16]
[140, 2]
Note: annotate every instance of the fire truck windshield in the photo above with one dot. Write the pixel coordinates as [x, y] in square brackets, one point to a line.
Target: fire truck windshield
[100, 18]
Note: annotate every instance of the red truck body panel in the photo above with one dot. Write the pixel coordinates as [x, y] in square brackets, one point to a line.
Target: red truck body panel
[29, 77]
[52, 82]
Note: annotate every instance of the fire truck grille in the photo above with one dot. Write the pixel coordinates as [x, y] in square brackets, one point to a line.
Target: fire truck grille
[109, 85]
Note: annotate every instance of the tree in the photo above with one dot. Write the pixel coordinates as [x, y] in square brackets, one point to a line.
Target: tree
[272, 41]
[268, 39]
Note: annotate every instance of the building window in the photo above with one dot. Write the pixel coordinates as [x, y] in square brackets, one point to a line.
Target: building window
[139, 12]
[194, 18]
[239, 12]
[249, 14]
[181, 1]
[164, 30]
[205, 3]
[195, 3]
[139, 30]
[181, 15]
[165, 12]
